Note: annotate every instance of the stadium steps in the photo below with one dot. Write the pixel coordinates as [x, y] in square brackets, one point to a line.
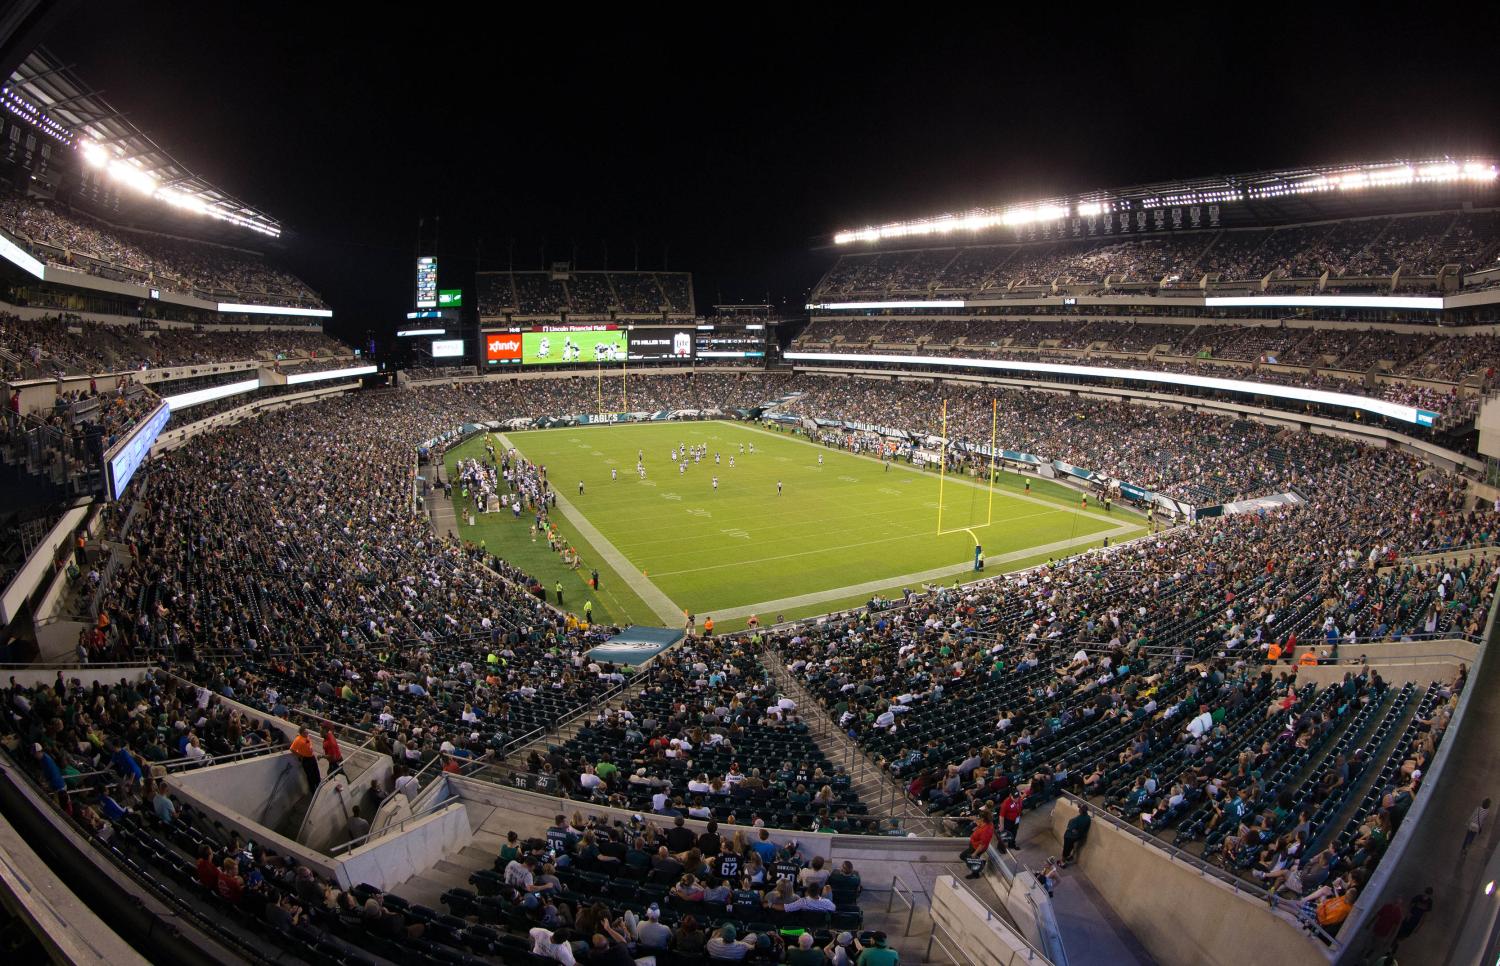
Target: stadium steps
[514, 761]
[1372, 774]
[884, 795]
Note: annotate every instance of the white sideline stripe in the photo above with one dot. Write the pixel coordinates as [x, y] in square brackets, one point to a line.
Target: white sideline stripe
[848, 546]
[660, 604]
[870, 586]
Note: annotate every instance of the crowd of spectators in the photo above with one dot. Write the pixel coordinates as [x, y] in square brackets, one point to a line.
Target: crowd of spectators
[1369, 249]
[1155, 678]
[584, 293]
[1335, 360]
[708, 737]
[32, 348]
[64, 236]
[1196, 457]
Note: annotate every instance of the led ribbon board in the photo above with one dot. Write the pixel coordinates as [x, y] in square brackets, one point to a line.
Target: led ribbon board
[1380, 407]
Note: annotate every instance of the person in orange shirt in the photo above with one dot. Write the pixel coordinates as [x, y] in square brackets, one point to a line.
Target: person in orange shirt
[1308, 658]
[1273, 653]
[302, 749]
[708, 627]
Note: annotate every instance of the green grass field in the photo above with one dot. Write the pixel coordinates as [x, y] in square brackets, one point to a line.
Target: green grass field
[838, 529]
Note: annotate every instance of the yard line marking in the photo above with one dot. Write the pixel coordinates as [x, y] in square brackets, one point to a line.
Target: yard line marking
[661, 605]
[871, 586]
[903, 535]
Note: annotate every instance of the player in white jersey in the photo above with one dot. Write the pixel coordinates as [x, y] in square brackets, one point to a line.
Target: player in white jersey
[731, 461]
[614, 475]
[716, 483]
[778, 487]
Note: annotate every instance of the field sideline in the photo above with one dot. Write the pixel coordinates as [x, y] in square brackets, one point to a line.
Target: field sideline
[842, 526]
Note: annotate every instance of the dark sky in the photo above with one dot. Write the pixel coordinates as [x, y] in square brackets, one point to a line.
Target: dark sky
[725, 139]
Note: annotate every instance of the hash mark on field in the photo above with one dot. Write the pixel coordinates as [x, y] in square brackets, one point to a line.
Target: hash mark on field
[648, 482]
[698, 511]
[611, 462]
[888, 491]
[849, 479]
[670, 496]
[782, 459]
[737, 534]
[931, 504]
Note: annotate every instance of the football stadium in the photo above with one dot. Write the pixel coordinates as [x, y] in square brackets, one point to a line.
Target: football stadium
[475, 508]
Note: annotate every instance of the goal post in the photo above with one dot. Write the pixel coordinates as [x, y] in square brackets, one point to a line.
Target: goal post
[989, 483]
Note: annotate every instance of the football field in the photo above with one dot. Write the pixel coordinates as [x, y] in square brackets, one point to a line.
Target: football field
[793, 528]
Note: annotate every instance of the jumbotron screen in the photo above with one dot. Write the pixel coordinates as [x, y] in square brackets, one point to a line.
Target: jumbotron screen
[556, 348]
[648, 345]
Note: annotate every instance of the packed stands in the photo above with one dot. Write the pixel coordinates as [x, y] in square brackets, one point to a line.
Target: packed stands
[48, 346]
[63, 236]
[745, 753]
[635, 882]
[1359, 253]
[1337, 360]
[591, 293]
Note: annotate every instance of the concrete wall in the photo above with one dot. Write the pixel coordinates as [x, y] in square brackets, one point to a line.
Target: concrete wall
[393, 859]
[327, 821]
[34, 571]
[238, 793]
[262, 790]
[393, 811]
[962, 925]
[878, 858]
[1182, 916]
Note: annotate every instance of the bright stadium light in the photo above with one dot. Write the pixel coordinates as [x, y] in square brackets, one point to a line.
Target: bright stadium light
[93, 154]
[130, 175]
[1216, 191]
[180, 200]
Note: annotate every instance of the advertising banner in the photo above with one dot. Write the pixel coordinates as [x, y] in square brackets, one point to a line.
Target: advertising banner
[502, 348]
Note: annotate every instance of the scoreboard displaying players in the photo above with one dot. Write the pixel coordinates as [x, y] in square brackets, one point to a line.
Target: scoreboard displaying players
[559, 346]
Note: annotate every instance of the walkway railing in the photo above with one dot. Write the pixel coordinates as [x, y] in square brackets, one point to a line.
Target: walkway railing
[1208, 870]
[908, 898]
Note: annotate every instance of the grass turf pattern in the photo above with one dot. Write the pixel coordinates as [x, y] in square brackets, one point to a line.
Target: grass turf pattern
[845, 520]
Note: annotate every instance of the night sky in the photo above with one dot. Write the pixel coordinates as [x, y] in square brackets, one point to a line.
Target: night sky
[726, 140]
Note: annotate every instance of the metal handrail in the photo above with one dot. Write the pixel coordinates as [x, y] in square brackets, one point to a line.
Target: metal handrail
[179, 764]
[365, 839]
[910, 898]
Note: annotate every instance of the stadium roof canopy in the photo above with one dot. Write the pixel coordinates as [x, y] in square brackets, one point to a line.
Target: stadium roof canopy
[1266, 197]
[46, 92]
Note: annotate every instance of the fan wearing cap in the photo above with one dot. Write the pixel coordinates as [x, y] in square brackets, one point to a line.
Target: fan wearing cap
[650, 933]
[726, 944]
